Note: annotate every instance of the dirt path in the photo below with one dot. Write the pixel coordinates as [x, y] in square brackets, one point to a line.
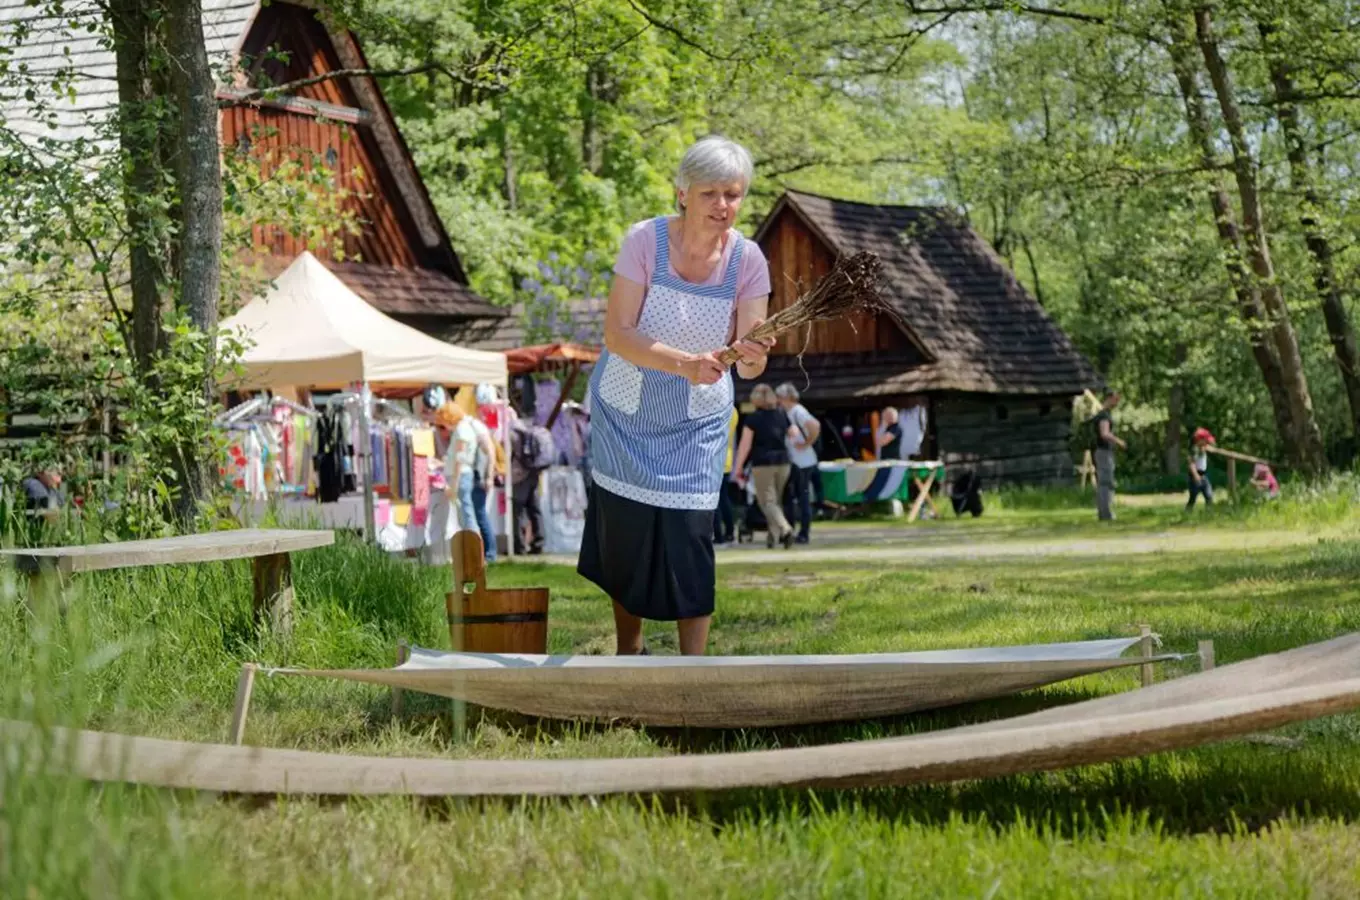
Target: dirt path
[876, 544]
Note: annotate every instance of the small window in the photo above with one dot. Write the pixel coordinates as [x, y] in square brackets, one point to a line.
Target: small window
[1045, 408]
[331, 157]
[1002, 413]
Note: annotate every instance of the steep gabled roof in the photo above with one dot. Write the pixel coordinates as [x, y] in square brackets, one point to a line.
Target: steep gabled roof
[957, 298]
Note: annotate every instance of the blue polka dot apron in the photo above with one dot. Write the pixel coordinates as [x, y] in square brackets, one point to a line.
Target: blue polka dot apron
[656, 438]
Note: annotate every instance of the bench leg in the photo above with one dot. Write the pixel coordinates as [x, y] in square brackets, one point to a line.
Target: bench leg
[274, 592]
[45, 592]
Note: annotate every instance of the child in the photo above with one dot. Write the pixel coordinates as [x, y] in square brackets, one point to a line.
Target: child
[1199, 468]
[1264, 481]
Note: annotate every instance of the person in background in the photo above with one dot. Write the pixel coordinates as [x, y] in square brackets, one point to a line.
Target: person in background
[532, 452]
[483, 477]
[764, 443]
[1199, 468]
[724, 522]
[889, 437]
[43, 497]
[460, 464]
[1106, 441]
[802, 455]
[1263, 479]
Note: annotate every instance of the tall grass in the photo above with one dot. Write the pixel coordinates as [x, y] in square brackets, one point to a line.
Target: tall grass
[157, 651]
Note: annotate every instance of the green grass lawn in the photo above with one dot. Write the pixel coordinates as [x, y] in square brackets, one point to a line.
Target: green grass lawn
[157, 652]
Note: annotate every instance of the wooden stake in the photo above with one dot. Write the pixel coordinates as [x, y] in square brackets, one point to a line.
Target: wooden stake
[403, 653]
[1146, 646]
[244, 686]
[1206, 655]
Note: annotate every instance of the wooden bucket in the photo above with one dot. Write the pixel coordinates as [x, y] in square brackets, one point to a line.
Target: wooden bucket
[486, 620]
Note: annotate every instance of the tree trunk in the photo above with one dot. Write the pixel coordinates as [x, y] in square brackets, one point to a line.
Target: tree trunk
[139, 140]
[1339, 328]
[1245, 290]
[1305, 450]
[1175, 406]
[200, 198]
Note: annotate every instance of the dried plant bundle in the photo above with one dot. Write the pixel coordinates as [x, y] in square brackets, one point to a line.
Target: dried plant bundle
[850, 286]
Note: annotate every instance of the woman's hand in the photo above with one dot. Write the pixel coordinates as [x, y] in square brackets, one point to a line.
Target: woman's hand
[703, 368]
[753, 352]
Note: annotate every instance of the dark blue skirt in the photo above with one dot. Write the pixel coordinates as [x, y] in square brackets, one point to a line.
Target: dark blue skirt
[656, 563]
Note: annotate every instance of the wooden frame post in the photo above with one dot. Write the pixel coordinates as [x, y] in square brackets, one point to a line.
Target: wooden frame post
[245, 686]
[1206, 655]
[1145, 645]
[403, 654]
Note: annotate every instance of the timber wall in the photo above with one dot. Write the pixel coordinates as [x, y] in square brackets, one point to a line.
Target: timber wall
[1006, 440]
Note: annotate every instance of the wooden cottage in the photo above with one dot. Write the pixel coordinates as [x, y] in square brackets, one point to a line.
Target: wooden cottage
[996, 376]
[402, 260]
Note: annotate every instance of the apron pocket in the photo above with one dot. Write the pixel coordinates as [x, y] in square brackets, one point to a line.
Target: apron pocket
[621, 385]
[710, 399]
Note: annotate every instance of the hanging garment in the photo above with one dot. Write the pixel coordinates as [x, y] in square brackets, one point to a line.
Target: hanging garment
[330, 456]
[420, 490]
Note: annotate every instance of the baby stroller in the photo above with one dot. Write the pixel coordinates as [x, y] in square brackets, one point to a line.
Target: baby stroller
[966, 493]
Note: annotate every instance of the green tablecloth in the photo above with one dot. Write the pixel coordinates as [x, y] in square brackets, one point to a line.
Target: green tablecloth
[868, 482]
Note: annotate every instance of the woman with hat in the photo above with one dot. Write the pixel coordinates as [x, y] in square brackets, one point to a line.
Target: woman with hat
[685, 286]
[1199, 468]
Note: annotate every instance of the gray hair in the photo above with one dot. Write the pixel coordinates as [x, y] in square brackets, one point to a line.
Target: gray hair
[762, 396]
[715, 159]
[787, 391]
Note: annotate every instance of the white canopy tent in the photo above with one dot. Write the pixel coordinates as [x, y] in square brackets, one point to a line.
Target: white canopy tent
[311, 330]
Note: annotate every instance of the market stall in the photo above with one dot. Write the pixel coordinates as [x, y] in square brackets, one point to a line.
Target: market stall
[562, 489]
[310, 330]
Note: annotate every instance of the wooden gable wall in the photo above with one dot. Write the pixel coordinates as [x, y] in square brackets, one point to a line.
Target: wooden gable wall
[335, 132]
[798, 258]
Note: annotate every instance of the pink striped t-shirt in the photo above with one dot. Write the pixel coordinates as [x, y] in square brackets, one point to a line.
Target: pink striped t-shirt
[637, 262]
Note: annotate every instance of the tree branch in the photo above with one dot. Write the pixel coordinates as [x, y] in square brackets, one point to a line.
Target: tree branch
[993, 6]
[681, 36]
[274, 91]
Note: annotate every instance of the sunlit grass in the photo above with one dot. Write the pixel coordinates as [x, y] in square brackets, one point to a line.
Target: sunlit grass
[157, 651]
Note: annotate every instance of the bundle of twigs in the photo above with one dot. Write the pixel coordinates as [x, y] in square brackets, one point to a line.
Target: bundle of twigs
[850, 286]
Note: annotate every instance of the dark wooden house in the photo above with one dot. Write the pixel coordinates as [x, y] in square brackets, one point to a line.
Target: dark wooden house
[401, 260]
[996, 375]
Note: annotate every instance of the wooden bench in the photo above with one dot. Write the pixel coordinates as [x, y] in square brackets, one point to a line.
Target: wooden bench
[267, 549]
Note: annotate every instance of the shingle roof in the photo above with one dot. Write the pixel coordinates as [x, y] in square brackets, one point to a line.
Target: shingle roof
[987, 334]
[580, 321]
[42, 43]
[414, 292]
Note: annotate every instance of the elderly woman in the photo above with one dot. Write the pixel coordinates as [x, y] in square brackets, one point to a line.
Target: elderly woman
[685, 286]
[765, 440]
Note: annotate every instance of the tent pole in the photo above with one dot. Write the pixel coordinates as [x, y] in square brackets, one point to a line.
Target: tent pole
[366, 463]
